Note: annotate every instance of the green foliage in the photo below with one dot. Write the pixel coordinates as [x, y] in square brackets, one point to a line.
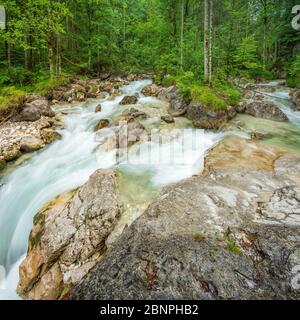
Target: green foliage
[135, 36]
[44, 86]
[294, 73]
[10, 96]
[10, 75]
[246, 55]
[166, 65]
[230, 94]
[208, 97]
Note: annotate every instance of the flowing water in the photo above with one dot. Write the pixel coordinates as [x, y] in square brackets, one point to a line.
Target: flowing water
[284, 135]
[68, 163]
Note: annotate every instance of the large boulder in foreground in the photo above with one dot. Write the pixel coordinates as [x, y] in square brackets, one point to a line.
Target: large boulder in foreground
[233, 234]
[264, 109]
[69, 237]
[206, 118]
[215, 236]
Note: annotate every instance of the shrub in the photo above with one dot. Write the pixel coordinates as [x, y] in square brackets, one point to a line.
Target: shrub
[10, 96]
[294, 73]
[15, 75]
[207, 97]
[230, 94]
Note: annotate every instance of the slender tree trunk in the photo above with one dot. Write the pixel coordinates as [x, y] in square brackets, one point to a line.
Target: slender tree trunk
[210, 41]
[7, 43]
[58, 54]
[50, 46]
[26, 58]
[124, 27]
[8, 53]
[206, 41]
[182, 33]
[265, 22]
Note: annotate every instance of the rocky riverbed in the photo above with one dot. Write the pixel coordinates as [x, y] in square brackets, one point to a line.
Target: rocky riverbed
[227, 229]
[30, 130]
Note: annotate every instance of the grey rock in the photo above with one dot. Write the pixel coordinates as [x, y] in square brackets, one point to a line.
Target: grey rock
[34, 110]
[206, 118]
[262, 109]
[207, 237]
[31, 143]
[168, 119]
[101, 124]
[71, 231]
[296, 98]
[129, 100]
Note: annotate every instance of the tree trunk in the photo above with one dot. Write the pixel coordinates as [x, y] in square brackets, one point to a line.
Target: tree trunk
[210, 41]
[7, 43]
[124, 27]
[50, 47]
[182, 34]
[206, 41]
[58, 54]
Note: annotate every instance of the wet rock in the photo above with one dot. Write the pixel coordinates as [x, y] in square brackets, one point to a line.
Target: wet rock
[208, 237]
[178, 104]
[101, 95]
[131, 77]
[205, 118]
[103, 123]
[260, 135]
[238, 153]
[296, 98]
[168, 119]
[50, 287]
[129, 100]
[231, 112]
[134, 114]
[98, 108]
[34, 110]
[262, 109]
[11, 153]
[152, 90]
[31, 144]
[261, 88]
[49, 135]
[11, 134]
[2, 163]
[68, 237]
[55, 101]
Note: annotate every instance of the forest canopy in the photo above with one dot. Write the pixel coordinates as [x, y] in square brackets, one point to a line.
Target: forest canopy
[54, 38]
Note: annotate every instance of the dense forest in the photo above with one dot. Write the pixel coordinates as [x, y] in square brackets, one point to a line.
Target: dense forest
[180, 41]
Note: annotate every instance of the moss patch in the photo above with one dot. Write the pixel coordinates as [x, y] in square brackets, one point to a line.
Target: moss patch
[233, 247]
[198, 237]
[208, 98]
